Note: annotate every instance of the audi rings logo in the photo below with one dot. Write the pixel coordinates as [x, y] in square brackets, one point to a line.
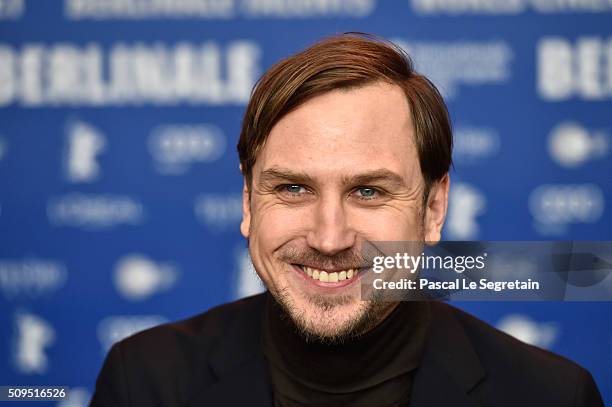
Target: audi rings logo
[565, 204]
[175, 147]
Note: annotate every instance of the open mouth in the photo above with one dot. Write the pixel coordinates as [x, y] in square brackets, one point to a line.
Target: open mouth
[329, 276]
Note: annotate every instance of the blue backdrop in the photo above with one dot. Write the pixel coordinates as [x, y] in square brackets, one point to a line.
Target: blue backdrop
[119, 181]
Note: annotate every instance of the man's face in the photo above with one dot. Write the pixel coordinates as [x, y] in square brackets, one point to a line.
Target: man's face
[339, 170]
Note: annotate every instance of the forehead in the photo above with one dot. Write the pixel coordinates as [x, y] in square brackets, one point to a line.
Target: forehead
[345, 131]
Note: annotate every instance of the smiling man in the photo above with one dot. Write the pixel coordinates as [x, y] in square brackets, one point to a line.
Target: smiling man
[339, 170]
[341, 144]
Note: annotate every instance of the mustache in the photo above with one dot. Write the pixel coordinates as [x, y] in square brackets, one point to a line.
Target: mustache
[346, 259]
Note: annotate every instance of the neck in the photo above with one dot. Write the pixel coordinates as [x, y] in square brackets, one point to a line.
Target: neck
[393, 344]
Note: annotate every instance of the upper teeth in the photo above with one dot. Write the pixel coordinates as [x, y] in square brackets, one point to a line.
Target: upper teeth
[326, 277]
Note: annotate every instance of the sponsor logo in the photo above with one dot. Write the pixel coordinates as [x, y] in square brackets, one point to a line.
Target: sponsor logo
[31, 278]
[33, 335]
[83, 144]
[219, 212]
[529, 331]
[307, 8]
[555, 206]
[137, 277]
[115, 328]
[579, 69]
[474, 144]
[508, 7]
[570, 145]
[466, 203]
[451, 65]
[215, 9]
[65, 74]
[175, 147]
[92, 212]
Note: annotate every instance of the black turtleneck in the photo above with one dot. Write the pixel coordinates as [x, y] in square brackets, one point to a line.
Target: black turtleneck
[374, 369]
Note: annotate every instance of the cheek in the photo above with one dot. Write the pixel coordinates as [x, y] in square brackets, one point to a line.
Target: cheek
[274, 226]
[388, 225]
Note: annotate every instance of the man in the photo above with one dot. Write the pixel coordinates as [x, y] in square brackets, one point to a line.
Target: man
[341, 144]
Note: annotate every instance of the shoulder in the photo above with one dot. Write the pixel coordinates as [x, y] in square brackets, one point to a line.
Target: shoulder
[495, 347]
[166, 363]
[510, 364]
[201, 331]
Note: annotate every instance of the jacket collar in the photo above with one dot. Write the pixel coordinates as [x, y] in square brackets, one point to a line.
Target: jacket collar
[449, 370]
[238, 363]
[450, 367]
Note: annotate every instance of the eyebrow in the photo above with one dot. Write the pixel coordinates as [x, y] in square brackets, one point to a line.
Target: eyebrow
[381, 175]
[285, 174]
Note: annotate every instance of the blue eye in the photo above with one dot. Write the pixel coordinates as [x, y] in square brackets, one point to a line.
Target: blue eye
[293, 189]
[367, 193]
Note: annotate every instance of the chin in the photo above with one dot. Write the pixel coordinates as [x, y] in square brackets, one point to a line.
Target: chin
[328, 319]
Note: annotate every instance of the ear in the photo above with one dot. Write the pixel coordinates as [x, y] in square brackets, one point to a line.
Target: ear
[435, 212]
[245, 225]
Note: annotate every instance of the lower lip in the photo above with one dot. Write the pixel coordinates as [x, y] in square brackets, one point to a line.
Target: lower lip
[323, 284]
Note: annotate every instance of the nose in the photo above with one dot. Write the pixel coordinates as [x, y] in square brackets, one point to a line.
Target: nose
[330, 232]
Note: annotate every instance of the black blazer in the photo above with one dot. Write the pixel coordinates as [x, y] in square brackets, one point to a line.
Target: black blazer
[216, 359]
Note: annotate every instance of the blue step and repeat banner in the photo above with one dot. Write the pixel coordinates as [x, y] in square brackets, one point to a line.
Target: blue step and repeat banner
[119, 182]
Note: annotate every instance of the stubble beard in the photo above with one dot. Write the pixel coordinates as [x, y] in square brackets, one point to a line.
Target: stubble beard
[321, 325]
[324, 320]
